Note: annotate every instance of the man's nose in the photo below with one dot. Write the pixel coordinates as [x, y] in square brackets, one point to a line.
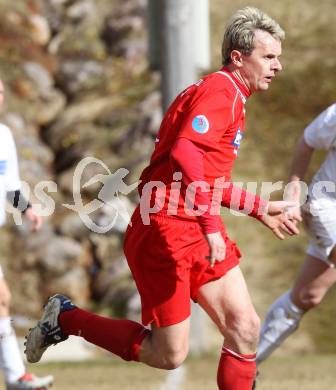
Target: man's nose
[277, 65]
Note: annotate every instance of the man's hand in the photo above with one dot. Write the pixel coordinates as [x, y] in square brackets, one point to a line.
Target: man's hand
[280, 218]
[294, 214]
[217, 247]
[35, 219]
[293, 194]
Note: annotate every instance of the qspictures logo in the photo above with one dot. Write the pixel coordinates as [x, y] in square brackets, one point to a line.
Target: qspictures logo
[154, 194]
[108, 196]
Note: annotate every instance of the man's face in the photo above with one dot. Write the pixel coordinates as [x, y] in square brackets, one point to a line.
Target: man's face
[259, 68]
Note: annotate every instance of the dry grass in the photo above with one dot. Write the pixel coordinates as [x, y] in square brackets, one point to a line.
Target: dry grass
[294, 373]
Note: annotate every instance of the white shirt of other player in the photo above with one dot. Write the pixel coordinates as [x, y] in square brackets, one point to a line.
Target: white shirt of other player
[9, 172]
[321, 134]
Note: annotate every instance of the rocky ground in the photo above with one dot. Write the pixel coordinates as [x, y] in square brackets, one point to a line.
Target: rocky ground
[77, 85]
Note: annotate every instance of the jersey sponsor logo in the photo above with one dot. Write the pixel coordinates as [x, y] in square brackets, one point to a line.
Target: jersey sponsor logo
[200, 124]
[237, 139]
[3, 166]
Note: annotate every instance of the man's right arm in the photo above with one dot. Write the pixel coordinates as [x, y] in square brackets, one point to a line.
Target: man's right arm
[299, 166]
[186, 157]
[319, 134]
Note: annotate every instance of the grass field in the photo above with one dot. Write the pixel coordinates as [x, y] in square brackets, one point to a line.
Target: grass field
[312, 372]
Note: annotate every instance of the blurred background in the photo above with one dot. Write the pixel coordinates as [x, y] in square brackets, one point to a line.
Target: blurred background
[79, 83]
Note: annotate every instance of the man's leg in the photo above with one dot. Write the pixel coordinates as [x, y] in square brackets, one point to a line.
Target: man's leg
[228, 303]
[10, 358]
[284, 315]
[164, 347]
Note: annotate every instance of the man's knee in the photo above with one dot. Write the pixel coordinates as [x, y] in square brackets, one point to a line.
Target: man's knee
[173, 357]
[310, 298]
[168, 346]
[243, 327]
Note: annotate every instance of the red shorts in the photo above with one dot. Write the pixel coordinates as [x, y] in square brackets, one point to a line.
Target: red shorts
[168, 262]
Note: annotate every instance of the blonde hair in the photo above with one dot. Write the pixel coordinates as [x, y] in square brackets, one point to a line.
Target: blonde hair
[239, 34]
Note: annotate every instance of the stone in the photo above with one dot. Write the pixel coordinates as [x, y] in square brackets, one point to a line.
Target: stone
[49, 107]
[60, 255]
[72, 226]
[39, 29]
[34, 242]
[109, 276]
[55, 43]
[72, 92]
[106, 248]
[24, 89]
[57, 3]
[85, 111]
[78, 75]
[51, 102]
[118, 294]
[68, 179]
[39, 75]
[116, 213]
[81, 10]
[26, 295]
[75, 283]
[15, 122]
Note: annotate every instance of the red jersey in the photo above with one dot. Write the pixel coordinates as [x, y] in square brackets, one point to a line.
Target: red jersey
[209, 113]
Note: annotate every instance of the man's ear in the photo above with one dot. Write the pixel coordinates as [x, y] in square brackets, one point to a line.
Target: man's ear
[237, 58]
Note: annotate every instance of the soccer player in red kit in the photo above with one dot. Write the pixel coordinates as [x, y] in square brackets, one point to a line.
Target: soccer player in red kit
[176, 246]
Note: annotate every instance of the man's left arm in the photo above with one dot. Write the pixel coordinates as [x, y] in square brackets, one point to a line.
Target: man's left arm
[238, 199]
[13, 184]
[272, 214]
[19, 202]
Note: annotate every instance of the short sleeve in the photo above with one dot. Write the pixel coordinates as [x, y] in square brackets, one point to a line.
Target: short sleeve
[208, 117]
[321, 133]
[12, 180]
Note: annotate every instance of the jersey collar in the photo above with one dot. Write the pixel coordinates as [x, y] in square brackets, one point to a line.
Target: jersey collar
[244, 91]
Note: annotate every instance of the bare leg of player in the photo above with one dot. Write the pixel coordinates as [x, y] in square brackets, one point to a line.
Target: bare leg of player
[166, 347]
[284, 315]
[228, 303]
[11, 362]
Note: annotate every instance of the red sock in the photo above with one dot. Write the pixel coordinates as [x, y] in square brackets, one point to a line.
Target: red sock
[236, 371]
[121, 337]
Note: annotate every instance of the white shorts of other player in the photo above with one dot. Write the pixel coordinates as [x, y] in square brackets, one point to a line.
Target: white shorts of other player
[319, 217]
